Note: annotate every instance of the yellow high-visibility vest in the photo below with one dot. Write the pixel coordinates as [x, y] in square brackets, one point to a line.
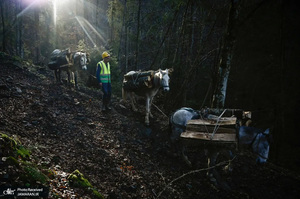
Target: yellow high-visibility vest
[105, 72]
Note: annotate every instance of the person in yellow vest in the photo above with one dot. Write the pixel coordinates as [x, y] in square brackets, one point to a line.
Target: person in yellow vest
[103, 77]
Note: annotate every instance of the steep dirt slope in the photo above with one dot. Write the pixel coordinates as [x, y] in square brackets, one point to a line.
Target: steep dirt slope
[65, 131]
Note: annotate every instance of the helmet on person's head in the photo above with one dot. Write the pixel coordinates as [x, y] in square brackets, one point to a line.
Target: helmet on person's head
[105, 54]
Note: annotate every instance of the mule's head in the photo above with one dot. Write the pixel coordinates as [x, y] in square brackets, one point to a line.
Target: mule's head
[258, 140]
[165, 79]
[261, 146]
[82, 59]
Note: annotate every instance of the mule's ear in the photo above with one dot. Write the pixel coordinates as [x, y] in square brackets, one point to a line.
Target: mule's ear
[170, 70]
[267, 131]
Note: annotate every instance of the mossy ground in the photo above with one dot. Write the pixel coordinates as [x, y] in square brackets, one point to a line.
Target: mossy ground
[19, 157]
[77, 180]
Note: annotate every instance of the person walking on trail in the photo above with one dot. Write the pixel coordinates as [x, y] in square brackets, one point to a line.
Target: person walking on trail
[103, 77]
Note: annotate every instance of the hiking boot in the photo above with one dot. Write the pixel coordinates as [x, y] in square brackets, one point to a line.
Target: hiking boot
[103, 108]
[108, 107]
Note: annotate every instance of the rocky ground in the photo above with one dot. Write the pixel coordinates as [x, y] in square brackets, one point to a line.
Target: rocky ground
[64, 130]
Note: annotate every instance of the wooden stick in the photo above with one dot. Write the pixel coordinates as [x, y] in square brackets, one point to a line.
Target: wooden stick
[160, 110]
[195, 171]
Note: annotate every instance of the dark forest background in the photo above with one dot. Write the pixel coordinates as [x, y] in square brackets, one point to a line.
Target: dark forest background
[244, 51]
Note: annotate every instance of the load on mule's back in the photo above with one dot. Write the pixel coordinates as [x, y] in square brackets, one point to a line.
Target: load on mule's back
[218, 135]
[145, 84]
[67, 61]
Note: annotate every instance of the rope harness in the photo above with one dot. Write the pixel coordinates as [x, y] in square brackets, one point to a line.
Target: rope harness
[217, 125]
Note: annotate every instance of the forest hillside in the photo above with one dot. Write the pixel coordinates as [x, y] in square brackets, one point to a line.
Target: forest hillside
[51, 133]
[236, 54]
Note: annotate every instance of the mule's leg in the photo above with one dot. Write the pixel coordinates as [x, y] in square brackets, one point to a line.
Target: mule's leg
[150, 104]
[213, 174]
[184, 156]
[211, 163]
[177, 146]
[57, 75]
[75, 79]
[69, 76]
[147, 110]
[228, 155]
[132, 101]
[133, 98]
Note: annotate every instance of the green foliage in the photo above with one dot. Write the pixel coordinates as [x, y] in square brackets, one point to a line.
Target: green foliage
[81, 46]
[95, 57]
[8, 58]
[23, 152]
[8, 141]
[13, 161]
[116, 76]
[31, 173]
[15, 146]
[18, 157]
[2, 55]
[176, 4]
[117, 88]
[115, 13]
[77, 179]
[34, 175]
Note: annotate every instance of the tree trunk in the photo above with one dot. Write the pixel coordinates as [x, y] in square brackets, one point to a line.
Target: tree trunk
[37, 35]
[48, 33]
[181, 35]
[3, 27]
[112, 22]
[137, 35]
[126, 38]
[219, 95]
[97, 21]
[19, 30]
[165, 36]
[192, 38]
[123, 30]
